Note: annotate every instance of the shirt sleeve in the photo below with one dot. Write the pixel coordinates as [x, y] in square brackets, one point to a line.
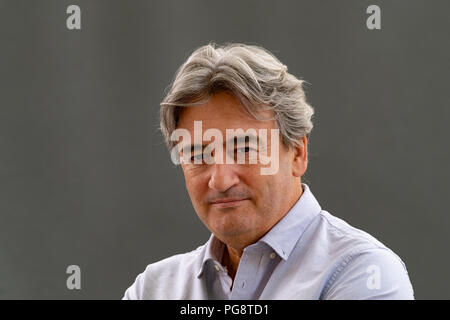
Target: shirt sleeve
[375, 274]
[135, 291]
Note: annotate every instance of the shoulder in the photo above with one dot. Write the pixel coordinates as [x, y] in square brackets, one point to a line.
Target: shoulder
[336, 238]
[343, 233]
[169, 266]
[363, 268]
[370, 274]
[160, 276]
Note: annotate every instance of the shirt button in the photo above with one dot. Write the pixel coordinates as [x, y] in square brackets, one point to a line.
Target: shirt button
[272, 255]
[217, 267]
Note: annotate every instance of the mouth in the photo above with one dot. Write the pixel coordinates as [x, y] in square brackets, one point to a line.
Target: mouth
[227, 203]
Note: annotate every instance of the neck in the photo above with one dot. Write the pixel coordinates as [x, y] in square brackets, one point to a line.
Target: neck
[230, 260]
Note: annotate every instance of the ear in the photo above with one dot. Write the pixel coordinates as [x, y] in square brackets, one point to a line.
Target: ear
[300, 158]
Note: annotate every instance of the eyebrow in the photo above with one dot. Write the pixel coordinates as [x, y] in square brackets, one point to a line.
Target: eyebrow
[236, 140]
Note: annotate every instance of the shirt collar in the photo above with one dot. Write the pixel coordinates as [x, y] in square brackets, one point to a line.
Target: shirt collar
[213, 251]
[283, 236]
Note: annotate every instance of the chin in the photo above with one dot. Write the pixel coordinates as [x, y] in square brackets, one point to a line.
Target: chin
[230, 233]
[231, 225]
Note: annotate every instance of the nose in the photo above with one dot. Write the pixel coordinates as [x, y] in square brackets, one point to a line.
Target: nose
[223, 177]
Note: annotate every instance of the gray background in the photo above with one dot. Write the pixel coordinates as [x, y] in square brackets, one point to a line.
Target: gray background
[85, 177]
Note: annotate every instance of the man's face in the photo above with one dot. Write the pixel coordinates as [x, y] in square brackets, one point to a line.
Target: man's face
[235, 201]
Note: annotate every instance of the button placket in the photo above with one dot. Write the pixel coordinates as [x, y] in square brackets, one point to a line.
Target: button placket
[246, 276]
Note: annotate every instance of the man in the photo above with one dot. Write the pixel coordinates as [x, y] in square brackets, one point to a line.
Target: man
[270, 238]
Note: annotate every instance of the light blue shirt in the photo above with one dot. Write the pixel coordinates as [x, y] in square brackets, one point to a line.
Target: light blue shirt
[309, 254]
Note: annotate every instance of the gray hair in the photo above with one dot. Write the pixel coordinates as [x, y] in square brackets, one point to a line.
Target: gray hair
[251, 73]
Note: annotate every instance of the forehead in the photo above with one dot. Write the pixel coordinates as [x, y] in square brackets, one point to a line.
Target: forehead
[223, 111]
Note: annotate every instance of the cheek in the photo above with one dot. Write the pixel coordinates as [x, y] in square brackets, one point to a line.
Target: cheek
[271, 188]
[196, 187]
[260, 186]
[193, 187]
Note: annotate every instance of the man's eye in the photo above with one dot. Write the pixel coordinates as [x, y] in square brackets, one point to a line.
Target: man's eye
[244, 149]
[197, 156]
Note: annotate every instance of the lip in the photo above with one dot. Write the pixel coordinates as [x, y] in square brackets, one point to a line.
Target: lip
[227, 203]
